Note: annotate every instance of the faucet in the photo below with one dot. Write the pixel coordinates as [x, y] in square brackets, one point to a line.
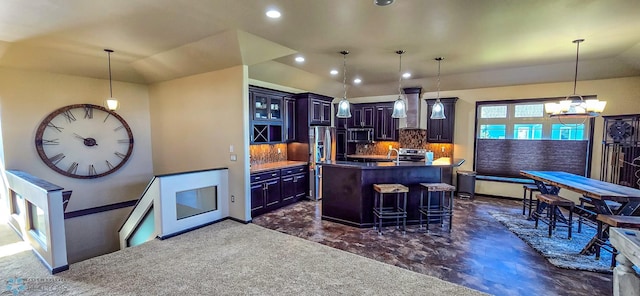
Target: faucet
[391, 149]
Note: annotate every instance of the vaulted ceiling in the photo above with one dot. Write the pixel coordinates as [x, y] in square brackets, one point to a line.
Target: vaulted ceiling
[485, 43]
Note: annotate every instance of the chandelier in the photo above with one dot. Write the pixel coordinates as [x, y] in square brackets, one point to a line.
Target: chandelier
[575, 106]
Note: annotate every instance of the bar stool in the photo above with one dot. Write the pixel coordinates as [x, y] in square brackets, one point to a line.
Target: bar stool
[443, 209]
[528, 202]
[553, 202]
[397, 211]
[602, 234]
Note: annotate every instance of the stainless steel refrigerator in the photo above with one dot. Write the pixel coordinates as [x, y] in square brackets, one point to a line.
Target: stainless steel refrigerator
[322, 148]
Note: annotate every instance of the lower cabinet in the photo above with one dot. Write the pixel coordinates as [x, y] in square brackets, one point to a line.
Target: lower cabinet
[274, 189]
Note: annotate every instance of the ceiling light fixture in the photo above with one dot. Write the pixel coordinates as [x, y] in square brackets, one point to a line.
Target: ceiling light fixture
[273, 13]
[299, 59]
[406, 75]
[399, 106]
[334, 72]
[437, 112]
[382, 2]
[344, 108]
[357, 81]
[111, 103]
[575, 106]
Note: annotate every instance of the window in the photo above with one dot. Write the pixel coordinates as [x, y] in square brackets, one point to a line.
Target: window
[517, 135]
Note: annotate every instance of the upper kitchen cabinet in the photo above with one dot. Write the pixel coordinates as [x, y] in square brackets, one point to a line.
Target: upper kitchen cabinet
[386, 127]
[289, 119]
[312, 109]
[441, 130]
[267, 108]
[362, 115]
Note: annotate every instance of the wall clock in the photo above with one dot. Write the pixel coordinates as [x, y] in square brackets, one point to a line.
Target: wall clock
[84, 141]
[620, 130]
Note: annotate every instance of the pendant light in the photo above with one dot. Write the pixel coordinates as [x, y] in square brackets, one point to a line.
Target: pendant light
[344, 108]
[111, 103]
[574, 106]
[437, 112]
[400, 106]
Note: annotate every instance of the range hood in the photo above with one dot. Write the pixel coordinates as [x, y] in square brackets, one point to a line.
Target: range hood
[413, 108]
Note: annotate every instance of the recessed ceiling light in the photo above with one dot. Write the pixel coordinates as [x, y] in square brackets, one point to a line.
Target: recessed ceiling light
[334, 72]
[357, 80]
[382, 2]
[406, 75]
[272, 13]
[299, 59]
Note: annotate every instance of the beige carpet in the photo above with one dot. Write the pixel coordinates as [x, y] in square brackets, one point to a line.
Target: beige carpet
[226, 258]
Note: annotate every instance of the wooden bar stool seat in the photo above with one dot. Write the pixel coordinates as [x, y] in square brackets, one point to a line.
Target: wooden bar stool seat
[390, 210]
[444, 207]
[602, 234]
[552, 204]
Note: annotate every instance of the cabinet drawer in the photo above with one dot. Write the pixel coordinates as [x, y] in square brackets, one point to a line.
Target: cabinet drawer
[292, 170]
[264, 176]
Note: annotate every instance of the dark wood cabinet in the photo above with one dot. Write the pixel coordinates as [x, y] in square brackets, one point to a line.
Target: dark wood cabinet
[276, 188]
[386, 127]
[341, 144]
[441, 130]
[265, 191]
[363, 115]
[289, 119]
[311, 109]
[269, 122]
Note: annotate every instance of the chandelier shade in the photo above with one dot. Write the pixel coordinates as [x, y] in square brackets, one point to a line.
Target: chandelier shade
[400, 106]
[574, 105]
[344, 107]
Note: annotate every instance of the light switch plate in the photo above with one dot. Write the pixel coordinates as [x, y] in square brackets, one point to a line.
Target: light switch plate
[231, 148]
[234, 157]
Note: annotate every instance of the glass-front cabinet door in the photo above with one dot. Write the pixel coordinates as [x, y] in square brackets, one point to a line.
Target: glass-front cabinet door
[266, 107]
[275, 108]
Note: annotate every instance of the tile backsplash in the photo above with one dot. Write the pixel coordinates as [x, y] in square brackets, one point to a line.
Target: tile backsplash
[377, 148]
[267, 153]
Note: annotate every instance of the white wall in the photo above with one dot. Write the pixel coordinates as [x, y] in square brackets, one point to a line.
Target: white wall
[194, 122]
[26, 98]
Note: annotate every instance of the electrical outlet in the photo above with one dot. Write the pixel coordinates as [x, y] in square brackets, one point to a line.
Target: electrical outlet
[230, 148]
[234, 157]
[233, 198]
[442, 148]
[279, 151]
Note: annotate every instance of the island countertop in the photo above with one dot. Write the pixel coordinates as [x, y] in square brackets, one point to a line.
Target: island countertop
[440, 162]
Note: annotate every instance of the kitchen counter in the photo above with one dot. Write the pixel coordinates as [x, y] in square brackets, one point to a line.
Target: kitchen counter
[257, 168]
[369, 157]
[440, 162]
[348, 186]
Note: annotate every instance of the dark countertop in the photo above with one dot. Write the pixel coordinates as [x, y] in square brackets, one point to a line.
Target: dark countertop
[370, 156]
[257, 168]
[440, 162]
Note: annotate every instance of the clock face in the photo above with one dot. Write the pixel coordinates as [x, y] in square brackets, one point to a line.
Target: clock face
[84, 141]
[620, 130]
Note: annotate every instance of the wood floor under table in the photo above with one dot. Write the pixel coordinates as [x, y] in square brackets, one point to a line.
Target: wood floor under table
[479, 252]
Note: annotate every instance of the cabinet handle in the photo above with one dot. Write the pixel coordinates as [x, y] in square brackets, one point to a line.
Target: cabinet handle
[257, 178]
[274, 174]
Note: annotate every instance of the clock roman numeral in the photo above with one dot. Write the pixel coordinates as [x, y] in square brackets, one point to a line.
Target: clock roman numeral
[109, 165]
[56, 158]
[118, 154]
[50, 142]
[105, 118]
[118, 128]
[88, 112]
[92, 170]
[73, 168]
[69, 116]
[54, 126]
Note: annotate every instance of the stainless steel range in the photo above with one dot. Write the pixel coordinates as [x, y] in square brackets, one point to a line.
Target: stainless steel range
[408, 154]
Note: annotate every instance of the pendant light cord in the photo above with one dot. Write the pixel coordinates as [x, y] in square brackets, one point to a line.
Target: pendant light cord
[400, 52]
[344, 73]
[438, 94]
[109, 51]
[575, 77]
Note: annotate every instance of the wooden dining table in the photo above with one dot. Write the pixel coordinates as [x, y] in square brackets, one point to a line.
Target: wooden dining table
[598, 192]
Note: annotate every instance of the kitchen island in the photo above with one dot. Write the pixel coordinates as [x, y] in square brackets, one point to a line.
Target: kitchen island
[348, 186]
